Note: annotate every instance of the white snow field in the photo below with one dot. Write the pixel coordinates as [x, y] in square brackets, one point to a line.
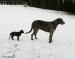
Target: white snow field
[15, 18]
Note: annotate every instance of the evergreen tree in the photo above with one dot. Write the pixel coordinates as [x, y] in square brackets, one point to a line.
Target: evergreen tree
[68, 5]
[60, 5]
[74, 7]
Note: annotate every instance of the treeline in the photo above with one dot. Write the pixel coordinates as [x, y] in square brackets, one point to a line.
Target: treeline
[60, 5]
[11, 2]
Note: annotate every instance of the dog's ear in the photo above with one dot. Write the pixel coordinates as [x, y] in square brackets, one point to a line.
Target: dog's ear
[60, 21]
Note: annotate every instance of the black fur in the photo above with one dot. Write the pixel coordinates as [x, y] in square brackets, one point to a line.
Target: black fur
[45, 26]
[12, 34]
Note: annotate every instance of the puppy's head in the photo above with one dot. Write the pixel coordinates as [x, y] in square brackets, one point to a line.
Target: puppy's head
[60, 21]
[21, 31]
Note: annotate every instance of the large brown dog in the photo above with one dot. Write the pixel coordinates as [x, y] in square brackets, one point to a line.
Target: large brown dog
[45, 26]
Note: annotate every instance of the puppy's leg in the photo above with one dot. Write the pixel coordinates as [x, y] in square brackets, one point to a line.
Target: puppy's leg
[18, 38]
[12, 37]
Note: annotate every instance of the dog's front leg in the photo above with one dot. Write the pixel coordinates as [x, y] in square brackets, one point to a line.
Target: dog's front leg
[50, 36]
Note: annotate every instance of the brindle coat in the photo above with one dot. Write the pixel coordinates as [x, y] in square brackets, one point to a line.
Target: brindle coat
[12, 34]
[45, 26]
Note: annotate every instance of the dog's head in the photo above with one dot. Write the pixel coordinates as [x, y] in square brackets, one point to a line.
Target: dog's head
[60, 21]
[21, 31]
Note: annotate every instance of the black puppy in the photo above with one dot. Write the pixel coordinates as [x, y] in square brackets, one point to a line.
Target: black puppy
[12, 34]
[45, 26]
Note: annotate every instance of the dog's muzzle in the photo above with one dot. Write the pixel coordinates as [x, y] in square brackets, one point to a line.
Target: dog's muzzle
[63, 23]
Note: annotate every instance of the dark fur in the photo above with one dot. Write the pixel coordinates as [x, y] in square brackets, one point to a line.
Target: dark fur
[12, 34]
[45, 26]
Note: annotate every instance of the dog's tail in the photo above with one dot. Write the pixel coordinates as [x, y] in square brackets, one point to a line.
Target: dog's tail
[29, 31]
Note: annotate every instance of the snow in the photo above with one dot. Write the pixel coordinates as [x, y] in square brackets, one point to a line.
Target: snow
[15, 18]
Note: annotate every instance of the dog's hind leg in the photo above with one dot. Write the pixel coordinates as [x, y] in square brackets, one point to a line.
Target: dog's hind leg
[35, 33]
[32, 36]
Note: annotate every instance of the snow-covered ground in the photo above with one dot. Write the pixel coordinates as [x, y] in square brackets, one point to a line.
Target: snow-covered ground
[15, 18]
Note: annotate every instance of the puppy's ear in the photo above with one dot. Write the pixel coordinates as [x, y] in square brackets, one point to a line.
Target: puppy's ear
[22, 31]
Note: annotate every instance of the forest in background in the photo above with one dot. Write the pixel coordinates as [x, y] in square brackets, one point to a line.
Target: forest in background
[59, 5]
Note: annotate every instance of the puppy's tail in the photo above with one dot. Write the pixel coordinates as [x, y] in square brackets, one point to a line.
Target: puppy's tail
[9, 38]
[29, 31]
